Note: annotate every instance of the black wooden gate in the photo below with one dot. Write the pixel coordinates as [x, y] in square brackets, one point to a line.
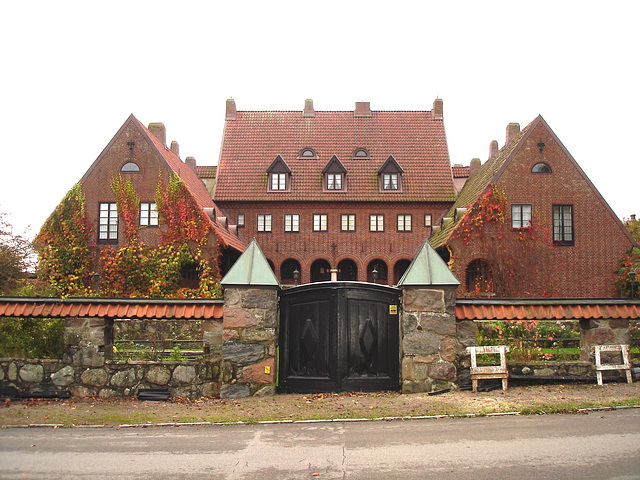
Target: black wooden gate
[339, 336]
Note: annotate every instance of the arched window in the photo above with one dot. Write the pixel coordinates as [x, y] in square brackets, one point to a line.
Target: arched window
[308, 153]
[399, 268]
[377, 272]
[320, 271]
[130, 167]
[541, 167]
[479, 278]
[361, 153]
[347, 271]
[287, 271]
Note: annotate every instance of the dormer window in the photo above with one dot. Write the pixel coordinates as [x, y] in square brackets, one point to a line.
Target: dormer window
[361, 153]
[308, 153]
[390, 175]
[279, 176]
[334, 176]
[541, 168]
[390, 181]
[130, 167]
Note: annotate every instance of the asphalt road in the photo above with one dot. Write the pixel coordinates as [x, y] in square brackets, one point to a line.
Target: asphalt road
[598, 445]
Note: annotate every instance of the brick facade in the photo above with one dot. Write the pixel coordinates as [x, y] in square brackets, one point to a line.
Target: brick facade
[334, 245]
[582, 269]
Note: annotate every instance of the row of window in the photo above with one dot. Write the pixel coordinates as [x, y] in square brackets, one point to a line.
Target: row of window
[321, 221]
[562, 221]
[335, 176]
[108, 219]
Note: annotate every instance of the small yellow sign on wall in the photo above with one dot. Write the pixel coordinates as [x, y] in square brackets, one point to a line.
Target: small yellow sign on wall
[267, 370]
[393, 309]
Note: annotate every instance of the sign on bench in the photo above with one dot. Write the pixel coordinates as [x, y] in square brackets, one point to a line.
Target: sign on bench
[491, 371]
[625, 365]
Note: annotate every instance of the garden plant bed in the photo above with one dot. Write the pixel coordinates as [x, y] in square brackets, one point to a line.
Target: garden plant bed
[114, 412]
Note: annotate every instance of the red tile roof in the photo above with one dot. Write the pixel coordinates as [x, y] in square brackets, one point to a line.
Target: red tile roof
[206, 171]
[460, 171]
[546, 310]
[197, 188]
[114, 308]
[253, 140]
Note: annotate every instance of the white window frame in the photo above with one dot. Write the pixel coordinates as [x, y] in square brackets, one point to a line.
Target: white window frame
[334, 181]
[264, 222]
[390, 181]
[278, 181]
[376, 222]
[240, 221]
[348, 222]
[427, 219]
[320, 222]
[521, 215]
[291, 222]
[148, 214]
[404, 222]
[108, 222]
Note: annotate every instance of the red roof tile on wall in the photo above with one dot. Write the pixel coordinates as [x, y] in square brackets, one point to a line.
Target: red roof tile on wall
[254, 139]
[565, 310]
[113, 308]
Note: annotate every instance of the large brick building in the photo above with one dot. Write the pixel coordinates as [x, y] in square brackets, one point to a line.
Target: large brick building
[357, 192]
[353, 195]
[559, 238]
[351, 191]
[142, 156]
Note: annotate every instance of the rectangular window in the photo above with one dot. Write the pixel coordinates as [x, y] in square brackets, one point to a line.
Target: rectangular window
[376, 223]
[390, 181]
[278, 181]
[520, 216]
[240, 222]
[264, 222]
[348, 223]
[563, 224]
[334, 181]
[292, 223]
[427, 220]
[108, 222]
[148, 214]
[320, 223]
[404, 223]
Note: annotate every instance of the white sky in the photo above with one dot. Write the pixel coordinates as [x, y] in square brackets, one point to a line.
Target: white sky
[72, 72]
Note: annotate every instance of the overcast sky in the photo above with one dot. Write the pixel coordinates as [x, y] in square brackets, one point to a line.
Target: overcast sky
[72, 72]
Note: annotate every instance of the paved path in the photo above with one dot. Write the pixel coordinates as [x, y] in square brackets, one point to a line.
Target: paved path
[596, 445]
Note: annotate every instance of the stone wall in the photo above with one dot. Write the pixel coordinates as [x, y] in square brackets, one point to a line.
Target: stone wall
[112, 379]
[87, 369]
[430, 344]
[250, 334]
[602, 332]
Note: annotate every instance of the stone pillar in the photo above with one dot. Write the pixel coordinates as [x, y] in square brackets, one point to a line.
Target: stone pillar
[89, 341]
[250, 334]
[602, 332]
[430, 344]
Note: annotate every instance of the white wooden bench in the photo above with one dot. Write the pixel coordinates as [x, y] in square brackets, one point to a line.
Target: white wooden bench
[625, 365]
[492, 371]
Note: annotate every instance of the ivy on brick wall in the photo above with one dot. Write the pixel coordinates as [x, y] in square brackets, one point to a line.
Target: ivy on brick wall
[63, 246]
[505, 265]
[187, 242]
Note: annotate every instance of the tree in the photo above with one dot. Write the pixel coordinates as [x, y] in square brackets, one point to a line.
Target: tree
[17, 256]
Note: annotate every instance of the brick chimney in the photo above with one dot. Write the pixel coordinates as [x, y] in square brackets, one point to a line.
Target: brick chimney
[175, 148]
[474, 165]
[191, 163]
[159, 130]
[437, 109]
[362, 110]
[512, 130]
[493, 149]
[308, 108]
[231, 109]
